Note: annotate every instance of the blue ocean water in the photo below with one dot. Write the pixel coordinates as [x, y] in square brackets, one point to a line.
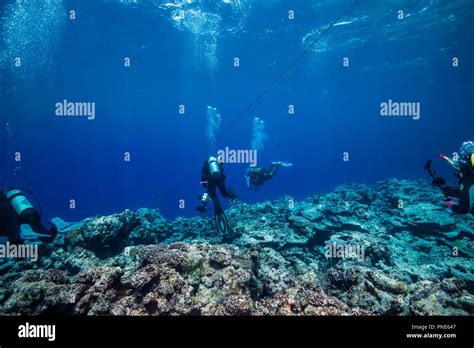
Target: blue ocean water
[183, 53]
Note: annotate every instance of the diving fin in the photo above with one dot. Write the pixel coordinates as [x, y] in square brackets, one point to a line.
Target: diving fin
[27, 233]
[222, 223]
[63, 226]
[283, 164]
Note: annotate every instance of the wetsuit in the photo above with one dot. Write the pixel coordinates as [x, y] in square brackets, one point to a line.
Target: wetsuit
[465, 191]
[258, 176]
[210, 184]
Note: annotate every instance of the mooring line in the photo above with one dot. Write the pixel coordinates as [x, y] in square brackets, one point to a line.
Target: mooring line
[280, 76]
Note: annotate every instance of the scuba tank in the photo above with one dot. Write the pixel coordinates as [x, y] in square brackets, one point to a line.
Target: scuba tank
[214, 168]
[29, 218]
[22, 206]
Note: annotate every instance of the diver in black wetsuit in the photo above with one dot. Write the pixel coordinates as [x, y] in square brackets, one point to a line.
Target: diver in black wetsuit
[213, 177]
[464, 171]
[256, 177]
[20, 221]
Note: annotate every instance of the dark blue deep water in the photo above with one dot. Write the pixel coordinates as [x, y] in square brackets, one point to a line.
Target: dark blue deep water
[182, 53]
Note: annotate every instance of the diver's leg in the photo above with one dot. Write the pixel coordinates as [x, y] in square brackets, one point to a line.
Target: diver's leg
[215, 200]
[212, 194]
[217, 207]
[222, 188]
[465, 198]
[271, 171]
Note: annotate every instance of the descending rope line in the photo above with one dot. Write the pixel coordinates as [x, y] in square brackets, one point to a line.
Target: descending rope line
[279, 77]
[270, 86]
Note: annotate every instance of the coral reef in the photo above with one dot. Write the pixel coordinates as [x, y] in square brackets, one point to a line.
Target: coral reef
[414, 257]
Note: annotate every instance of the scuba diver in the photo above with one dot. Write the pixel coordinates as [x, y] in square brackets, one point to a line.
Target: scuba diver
[463, 169]
[257, 176]
[20, 222]
[213, 177]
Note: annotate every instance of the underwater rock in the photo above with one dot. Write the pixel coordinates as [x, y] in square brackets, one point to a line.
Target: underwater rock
[106, 234]
[220, 283]
[236, 305]
[444, 298]
[410, 256]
